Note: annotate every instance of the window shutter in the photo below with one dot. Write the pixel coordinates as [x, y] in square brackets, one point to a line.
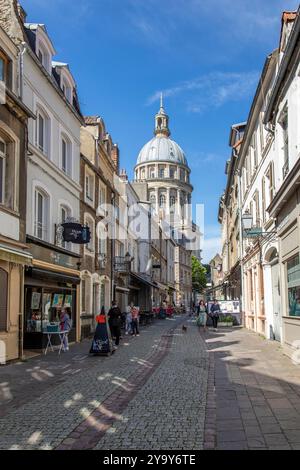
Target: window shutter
[3, 299]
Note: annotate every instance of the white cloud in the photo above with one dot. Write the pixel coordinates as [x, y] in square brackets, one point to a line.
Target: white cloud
[211, 246]
[214, 89]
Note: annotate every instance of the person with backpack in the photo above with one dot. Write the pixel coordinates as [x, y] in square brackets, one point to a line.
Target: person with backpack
[115, 321]
[215, 311]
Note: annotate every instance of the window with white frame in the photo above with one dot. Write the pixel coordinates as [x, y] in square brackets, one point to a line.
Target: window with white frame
[44, 56]
[66, 155]
[285, 140]
[172, 172]
[89, 222]
[102, 195]
[263, 198]
[102, 243]
[65, 214]
[254, 150]
[89, 186]
[8, 173]
[42, 132]
[67, 90]
[41, 215]
[262, 132]
[4, 68]
[2, 170]
[257, 209]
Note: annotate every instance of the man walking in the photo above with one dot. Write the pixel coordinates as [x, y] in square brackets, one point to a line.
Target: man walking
[215, 311]
[115, 321]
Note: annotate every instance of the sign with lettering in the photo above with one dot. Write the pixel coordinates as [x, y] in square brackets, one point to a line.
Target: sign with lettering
[102, 341]
[76, 233]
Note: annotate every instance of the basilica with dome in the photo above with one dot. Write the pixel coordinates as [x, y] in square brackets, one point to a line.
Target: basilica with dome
[162, 174]
[163, 165]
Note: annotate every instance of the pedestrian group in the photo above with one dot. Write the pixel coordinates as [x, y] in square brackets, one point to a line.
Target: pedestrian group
[203, 312]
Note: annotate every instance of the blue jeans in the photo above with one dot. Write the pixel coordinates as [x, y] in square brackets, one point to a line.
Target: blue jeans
[135, 327]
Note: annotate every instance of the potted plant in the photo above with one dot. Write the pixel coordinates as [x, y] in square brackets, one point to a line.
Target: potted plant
[226, 321]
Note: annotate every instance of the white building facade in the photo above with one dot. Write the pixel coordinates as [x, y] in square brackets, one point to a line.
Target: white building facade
[53, 186]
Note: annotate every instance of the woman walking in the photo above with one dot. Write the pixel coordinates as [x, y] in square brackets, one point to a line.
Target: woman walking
[135, 321]
[202, 315]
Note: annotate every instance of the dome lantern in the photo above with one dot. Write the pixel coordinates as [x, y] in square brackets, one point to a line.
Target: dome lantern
[162, 121]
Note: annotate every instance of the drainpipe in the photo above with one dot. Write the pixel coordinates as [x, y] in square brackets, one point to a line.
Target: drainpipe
[23, 49]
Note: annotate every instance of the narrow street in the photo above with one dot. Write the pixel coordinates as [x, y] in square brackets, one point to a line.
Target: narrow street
[166, 389]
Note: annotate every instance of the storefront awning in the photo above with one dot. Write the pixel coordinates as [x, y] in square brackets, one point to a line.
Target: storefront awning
[42, 274]
[122, 289]
[13, 255]
[143, 280]
[162, 287]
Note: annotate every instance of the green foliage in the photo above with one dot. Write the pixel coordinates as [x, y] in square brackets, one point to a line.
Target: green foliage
[227, 319]
[199, 275]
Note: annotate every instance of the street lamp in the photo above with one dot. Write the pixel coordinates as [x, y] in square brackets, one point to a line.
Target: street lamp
[247, 220]
[249, 231]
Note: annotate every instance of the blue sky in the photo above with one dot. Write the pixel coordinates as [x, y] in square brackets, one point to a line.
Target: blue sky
[205, 55]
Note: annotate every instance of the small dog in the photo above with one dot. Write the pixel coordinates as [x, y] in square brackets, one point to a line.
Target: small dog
[184, 328]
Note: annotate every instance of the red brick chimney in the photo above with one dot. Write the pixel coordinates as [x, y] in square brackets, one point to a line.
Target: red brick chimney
[115, 155]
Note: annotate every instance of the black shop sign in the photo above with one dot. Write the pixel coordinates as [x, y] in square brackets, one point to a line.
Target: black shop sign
[76, 233]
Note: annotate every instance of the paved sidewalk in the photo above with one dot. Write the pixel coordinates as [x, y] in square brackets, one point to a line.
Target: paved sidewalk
[257, 392]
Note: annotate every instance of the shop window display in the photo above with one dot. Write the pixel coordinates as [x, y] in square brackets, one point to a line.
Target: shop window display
[293, 275]
[44, 307]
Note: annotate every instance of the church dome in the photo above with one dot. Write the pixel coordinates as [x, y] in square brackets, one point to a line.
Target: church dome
[162, 149]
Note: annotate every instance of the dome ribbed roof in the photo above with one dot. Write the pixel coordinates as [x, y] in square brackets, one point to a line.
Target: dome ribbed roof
[162, 148]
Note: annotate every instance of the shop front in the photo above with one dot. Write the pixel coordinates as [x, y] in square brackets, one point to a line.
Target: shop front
[13, 260]
[141, 291]
[49, 289]
[290, 275]
[286, 208]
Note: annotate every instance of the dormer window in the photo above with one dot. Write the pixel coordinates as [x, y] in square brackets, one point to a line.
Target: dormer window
[44, 57]
[67, 90]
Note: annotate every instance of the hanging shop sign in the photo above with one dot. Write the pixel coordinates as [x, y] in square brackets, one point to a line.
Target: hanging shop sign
[76, 233]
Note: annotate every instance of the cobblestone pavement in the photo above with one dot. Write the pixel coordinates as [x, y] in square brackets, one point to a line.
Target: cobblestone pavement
[169, 411]
[257, 393]
[77, 386]
[166, 389]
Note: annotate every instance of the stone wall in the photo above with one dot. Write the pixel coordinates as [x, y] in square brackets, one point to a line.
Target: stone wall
[10, 20]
